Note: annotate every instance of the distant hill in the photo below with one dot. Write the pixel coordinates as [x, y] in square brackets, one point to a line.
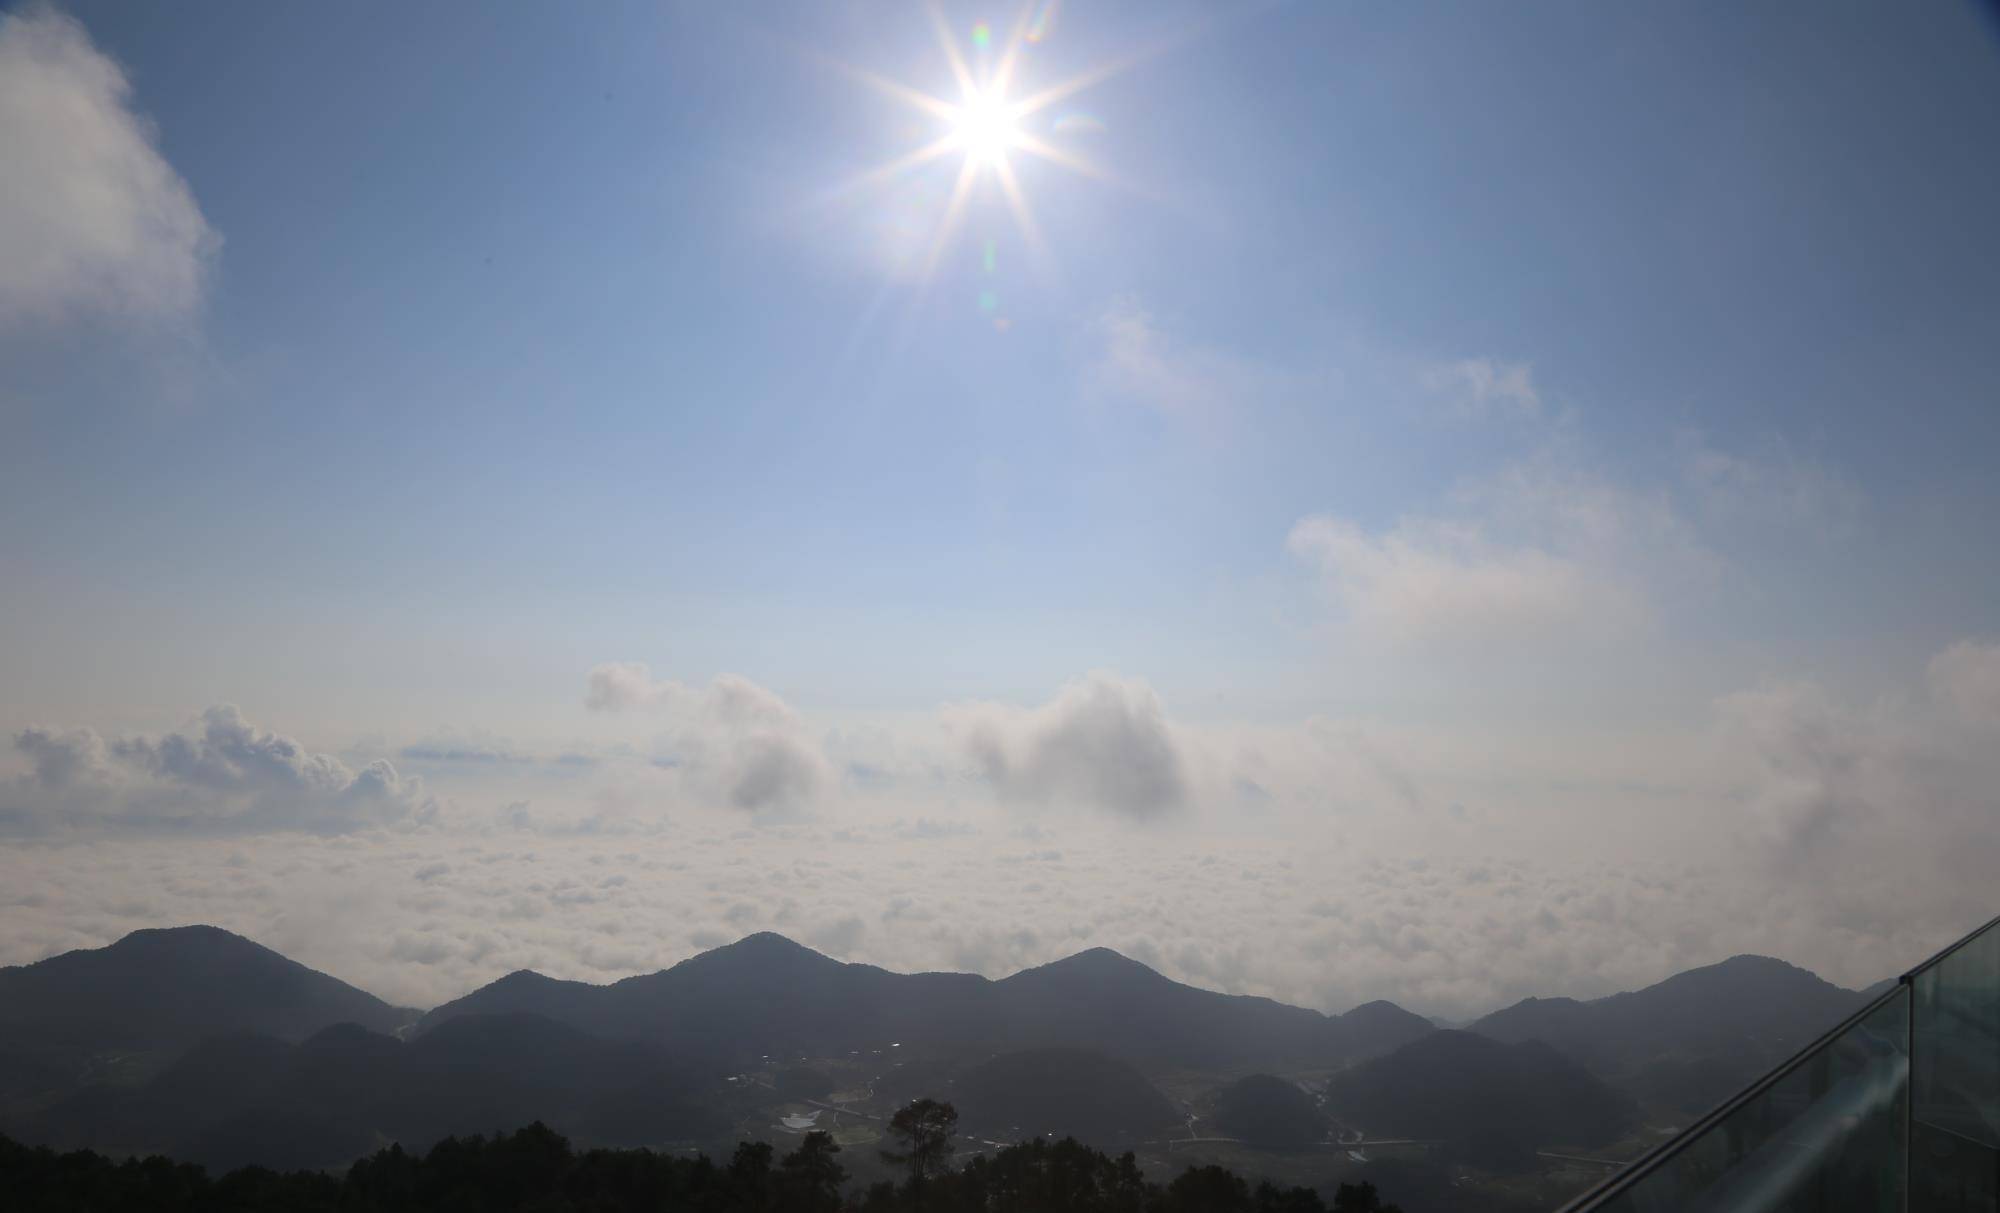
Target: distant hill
[85, 1016]
[1692, 1040]
[1061, 1093]
[1488, 1102]
[761, 995]
[1269, 1113]
[172, 987]
[767, 996]
[1101, 1000]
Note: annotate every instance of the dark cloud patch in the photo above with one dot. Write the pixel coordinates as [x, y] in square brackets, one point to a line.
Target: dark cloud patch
[462, 754]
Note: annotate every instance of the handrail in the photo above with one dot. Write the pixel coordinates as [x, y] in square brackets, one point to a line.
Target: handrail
[1650, 1161]
[1934, 961]
[1646, 1164]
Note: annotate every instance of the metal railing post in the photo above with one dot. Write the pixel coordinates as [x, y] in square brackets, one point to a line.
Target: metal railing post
[1909, 1090]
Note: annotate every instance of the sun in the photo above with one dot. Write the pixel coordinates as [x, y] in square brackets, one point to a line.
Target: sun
[985, 128]
[991, 126]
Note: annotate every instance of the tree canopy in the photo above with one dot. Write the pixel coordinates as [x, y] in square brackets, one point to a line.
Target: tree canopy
[925, 1128]
[535, 1170]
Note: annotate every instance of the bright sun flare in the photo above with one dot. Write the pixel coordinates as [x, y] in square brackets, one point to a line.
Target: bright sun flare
[984, 127]
[988, 127]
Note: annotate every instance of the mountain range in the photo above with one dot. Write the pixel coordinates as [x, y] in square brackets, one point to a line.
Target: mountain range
[766, 995]
[203, 1044]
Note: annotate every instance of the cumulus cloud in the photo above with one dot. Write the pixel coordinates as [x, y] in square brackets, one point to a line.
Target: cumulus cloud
[739, 743]
[1102, 741]
[229, 776]
[618, 686]
[93, 220]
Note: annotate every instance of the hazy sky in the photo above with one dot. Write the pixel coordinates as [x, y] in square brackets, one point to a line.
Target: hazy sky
[1430, 502]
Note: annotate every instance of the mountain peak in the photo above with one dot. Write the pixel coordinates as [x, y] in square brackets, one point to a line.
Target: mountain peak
[767, 947]
[1750, 961]
[196, 935]
[764, 954]
[1383, 1013]
[1737, 971]
[1103, 958]
[207, 949]
[1379, 1006]
[522, 979]
[171, 986]
[767, 941]
[1097, 963]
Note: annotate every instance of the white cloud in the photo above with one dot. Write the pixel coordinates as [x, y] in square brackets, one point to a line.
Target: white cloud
[230, 776]
[1810, 754]
[1138, 361]
[1372, 861]
[1480, 387]
[93, 220]
[1877, 813]
[1967, 677]
[1545, 554]
[1436, 586]
[1324, 922]
[618, 686]
[740, 744]
[1102, 741]
[1850, 837]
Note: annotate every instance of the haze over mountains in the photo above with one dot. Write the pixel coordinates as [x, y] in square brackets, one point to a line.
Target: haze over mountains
[206, 1045]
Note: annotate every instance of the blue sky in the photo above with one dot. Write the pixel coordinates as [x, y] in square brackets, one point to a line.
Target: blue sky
[1520, 389]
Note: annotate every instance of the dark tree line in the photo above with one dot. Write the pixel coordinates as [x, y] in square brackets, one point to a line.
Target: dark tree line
[534, 1170]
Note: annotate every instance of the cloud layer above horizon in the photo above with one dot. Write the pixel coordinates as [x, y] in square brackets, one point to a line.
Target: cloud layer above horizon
[1322, 864]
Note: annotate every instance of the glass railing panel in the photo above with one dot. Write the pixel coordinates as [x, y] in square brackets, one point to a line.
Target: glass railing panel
[1824, 1134]
[1955, 1078]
